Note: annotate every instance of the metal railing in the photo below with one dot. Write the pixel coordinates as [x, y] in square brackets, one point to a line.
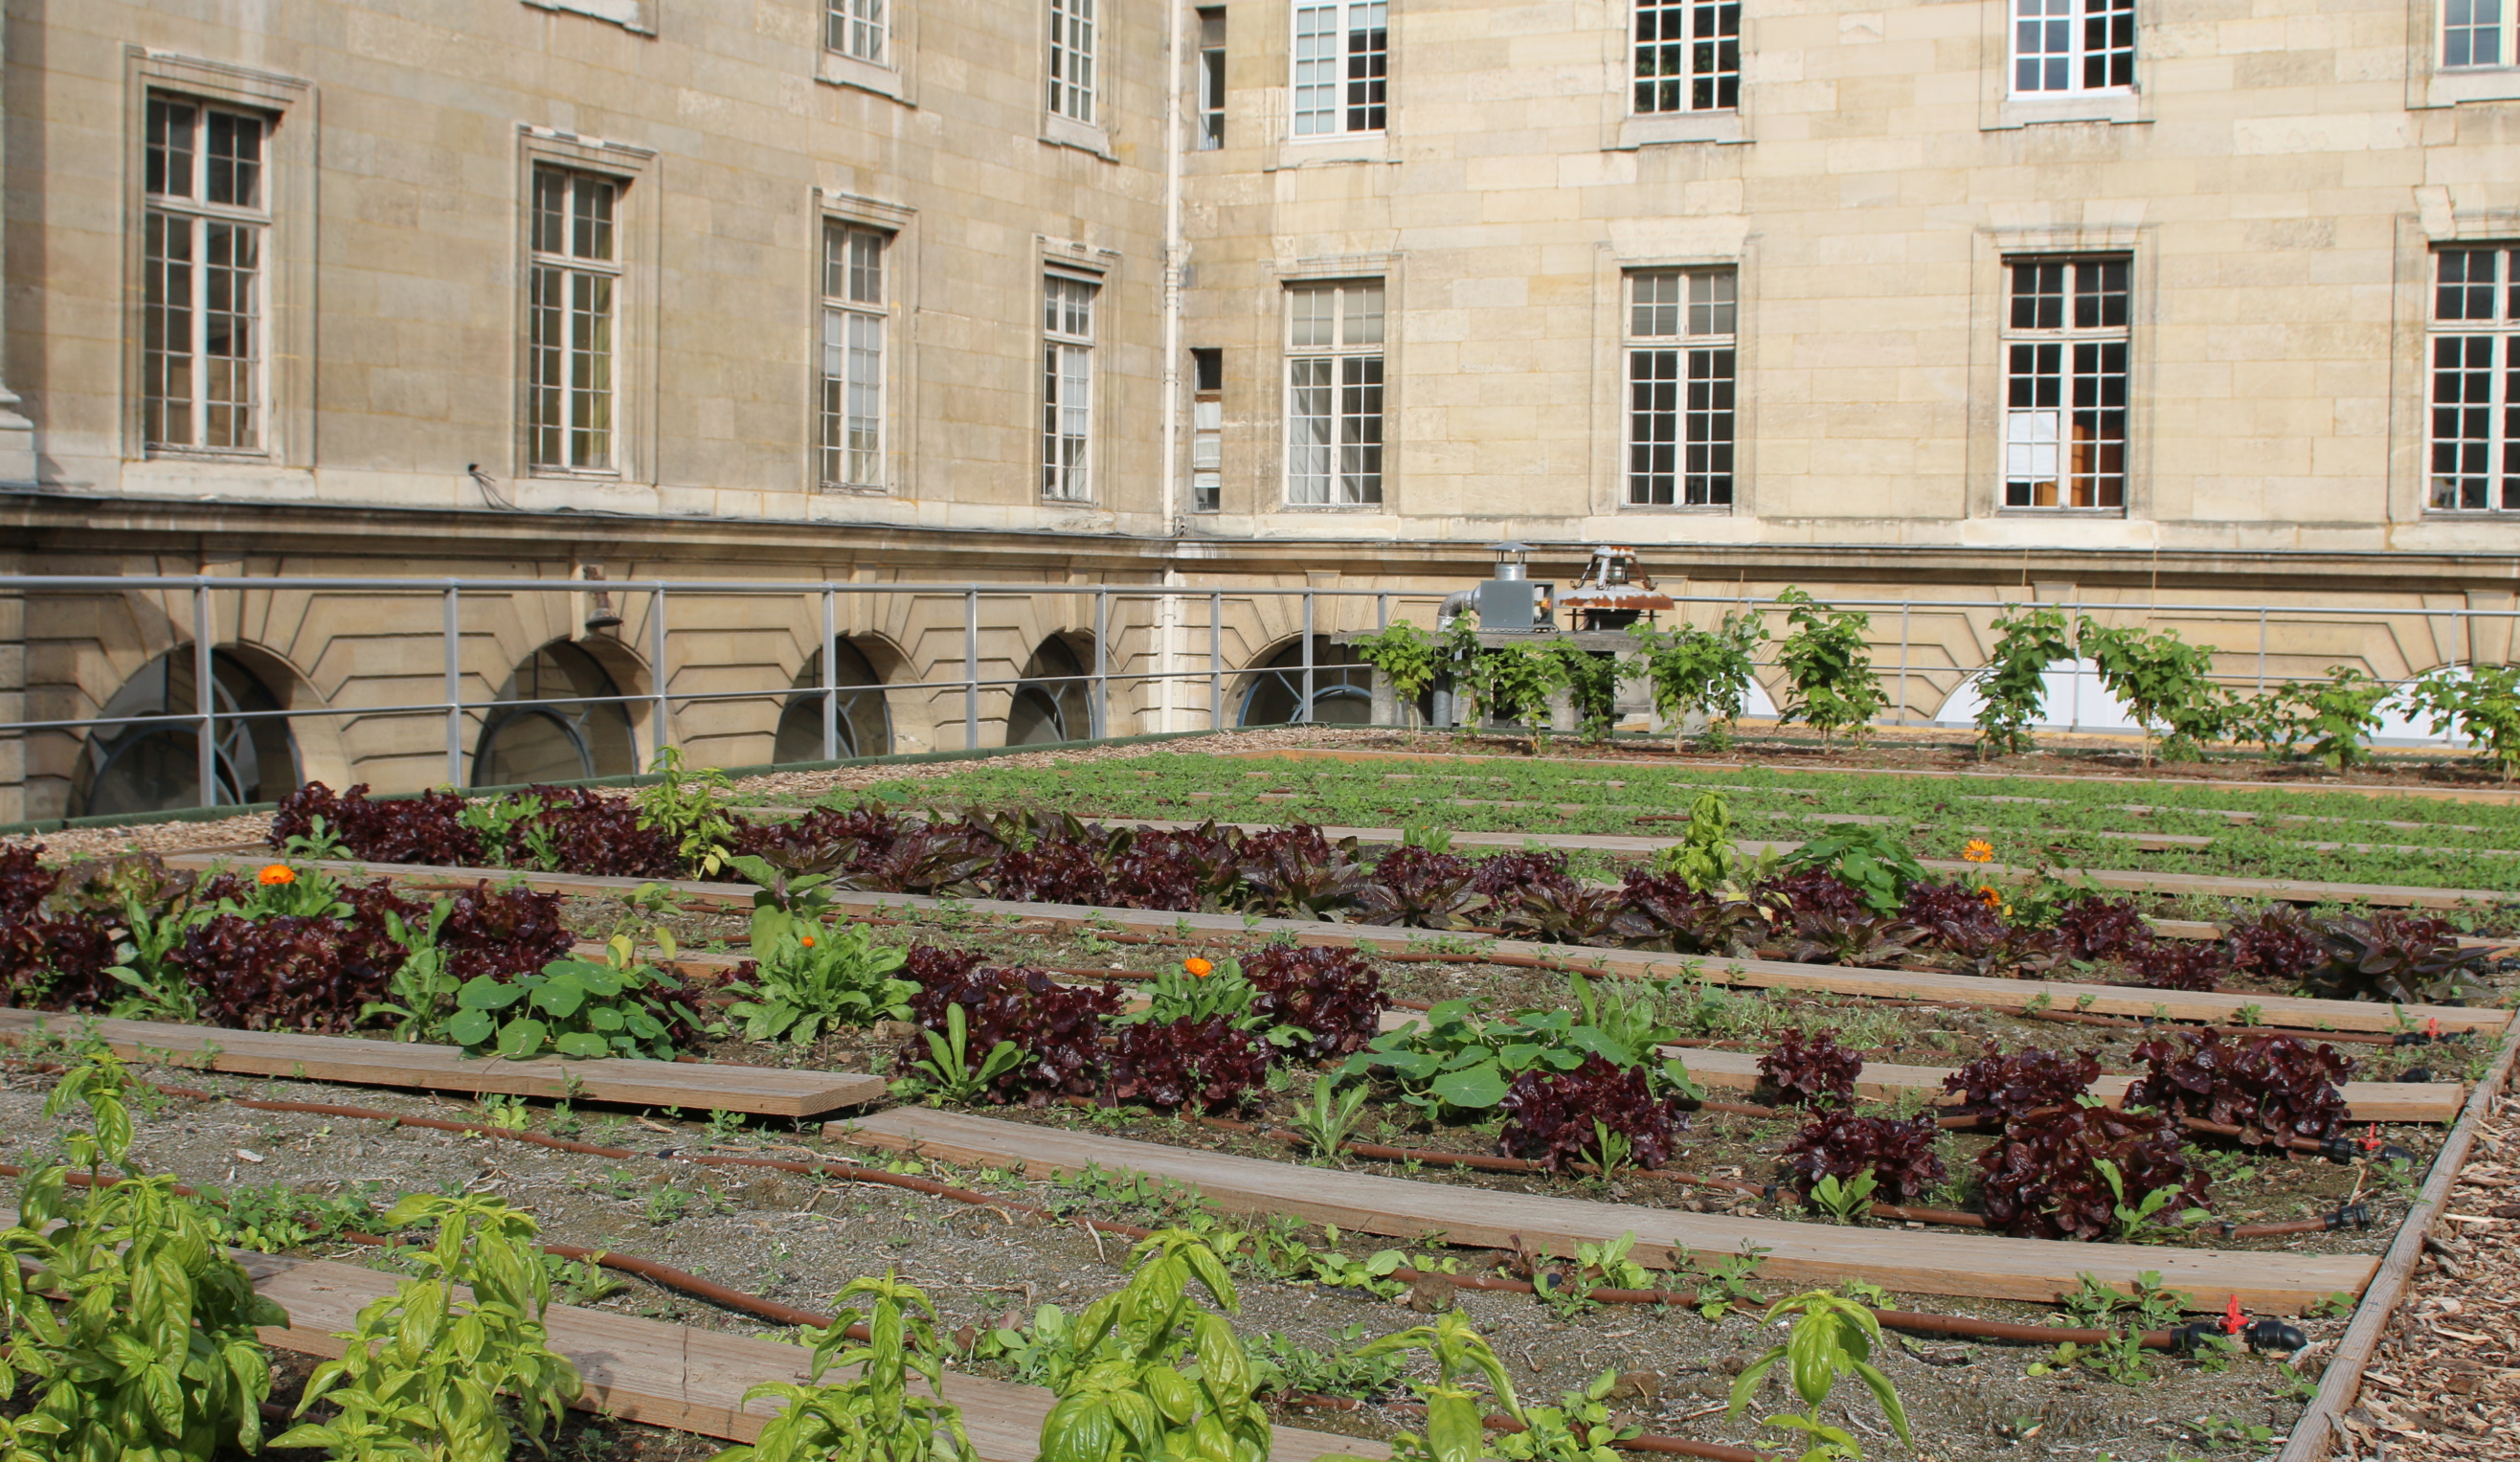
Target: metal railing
[1157, 631]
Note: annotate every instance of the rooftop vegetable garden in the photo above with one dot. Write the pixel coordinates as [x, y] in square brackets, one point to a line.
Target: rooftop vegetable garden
[1218, 1134]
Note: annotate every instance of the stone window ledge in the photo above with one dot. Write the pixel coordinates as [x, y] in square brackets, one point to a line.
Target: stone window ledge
[2119, 109]
[841, 69]
[2447, 88]
[1720, 127]
[629, 14]
[1068, 132]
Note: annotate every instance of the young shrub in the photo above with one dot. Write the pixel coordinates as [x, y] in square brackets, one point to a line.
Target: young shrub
[2336, 716]
[2013, 1087]
[1421, 889]
[2164, 682]
[2094, 928]
[2270, 1087]
[1149, 1374]
[2191, 965]
[2013, 686]
[809, 978]
[2045, 1180]
[1058, 1028]
[1333, 995]
[873, 1416]
[1811, 1070]
[1408, 656]
[2483, 705]
[1510, 682]
[1899, 1154]
[1591, 680]
[424, 1371]
[1204, 1064]
[1828, 667]
[1554, 1116]
[1700, 672]
[156, 1359]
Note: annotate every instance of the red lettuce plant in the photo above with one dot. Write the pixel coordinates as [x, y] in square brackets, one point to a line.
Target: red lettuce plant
[1296, 870]
[587, 832]
[1059, 1026]
[1812, 891]
[2402, 957]
[1953, 916]
[1551, 1115]
[2016, 1085]
[1531, 896]
[422, 829]
[2183, 964]
[286, 972]
[1421, 889]
[923, 857]
[2042, 1181]
[1192, 869]
[2094, 928]
[2270, 1087]
[1663, 911]
[56, 963]
[25, 881]
[1332, 994]
[1899, 1154]
[1203, 1064]
[819, 840]
[1811, 1070]
[2278, 945]
[502, 933]
[1823, 936]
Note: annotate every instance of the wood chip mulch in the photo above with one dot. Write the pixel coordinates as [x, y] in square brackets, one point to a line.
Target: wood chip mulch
[2445, 1380]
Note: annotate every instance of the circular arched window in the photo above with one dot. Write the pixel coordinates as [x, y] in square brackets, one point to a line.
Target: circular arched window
[860, 721]
[1056, 700]
[135, 764]
[554, 723]
[1342, 689]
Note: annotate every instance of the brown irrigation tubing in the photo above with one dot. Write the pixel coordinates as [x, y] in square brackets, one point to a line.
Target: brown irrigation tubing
[2125, 1023]
[1675, 1446]
[858, 1173]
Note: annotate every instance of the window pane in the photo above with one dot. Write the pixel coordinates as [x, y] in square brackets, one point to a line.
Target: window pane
[1361, 429]
[1310, 312]
[1317, 67]
[866, 267]
[167, 331]
[1711, 303]
[2466, 279]
[1361, 306]
[1653, 307]
[232, 267]
[545, 314]
[1654, 426]
[1709, 462]
[235, 172]
[170, 147]
[551, 210]
[591, 218]
[1368, 63]
[1308, 431]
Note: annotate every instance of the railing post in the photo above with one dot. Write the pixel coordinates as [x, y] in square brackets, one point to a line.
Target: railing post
[1102, 724]
[206, 701]
[970, 669]
[1304, 715]
[660, 729]
[451, 640]
[2261, 650]
[1903, 659]
[830, 678]
[1216, 659]
[1382, 612]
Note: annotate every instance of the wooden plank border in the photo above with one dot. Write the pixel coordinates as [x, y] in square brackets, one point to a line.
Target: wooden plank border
[2340, 1386]
[762, 1090]
[1975, 1266]
[1970, 990]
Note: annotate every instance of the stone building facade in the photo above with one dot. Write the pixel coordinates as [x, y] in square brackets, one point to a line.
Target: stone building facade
[2091, 299]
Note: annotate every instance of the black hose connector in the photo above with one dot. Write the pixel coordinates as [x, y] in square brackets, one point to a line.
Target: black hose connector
[2196, 1336]
[2271, 1334]
[2416, 1075]
[2351, 1215]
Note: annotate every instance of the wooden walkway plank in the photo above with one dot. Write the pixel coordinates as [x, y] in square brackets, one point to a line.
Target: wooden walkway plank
[1967, 990]
[763, 1090]
[677, 1376]
[1983, 1266]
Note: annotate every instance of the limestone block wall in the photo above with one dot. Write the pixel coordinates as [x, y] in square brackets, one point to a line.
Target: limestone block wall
[399, 167]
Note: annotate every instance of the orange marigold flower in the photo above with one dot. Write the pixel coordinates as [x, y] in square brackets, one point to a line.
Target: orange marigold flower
[1987, 894]
[279, 873]
[1198, 966]
[806, 940]
[1979, 850]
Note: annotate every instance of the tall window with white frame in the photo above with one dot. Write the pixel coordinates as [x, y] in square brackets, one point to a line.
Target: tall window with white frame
[205, 230]
[2475, 360]
[1681, 334]
[1688, 55]
[854, 315]
[2066, 331]
[1342, 67]
[1211, 78]
[1072, 40]
[858, 28]
[1334, 393]
[572, 295]
[2072, 47]
[1067, 388]
[2471, 33]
